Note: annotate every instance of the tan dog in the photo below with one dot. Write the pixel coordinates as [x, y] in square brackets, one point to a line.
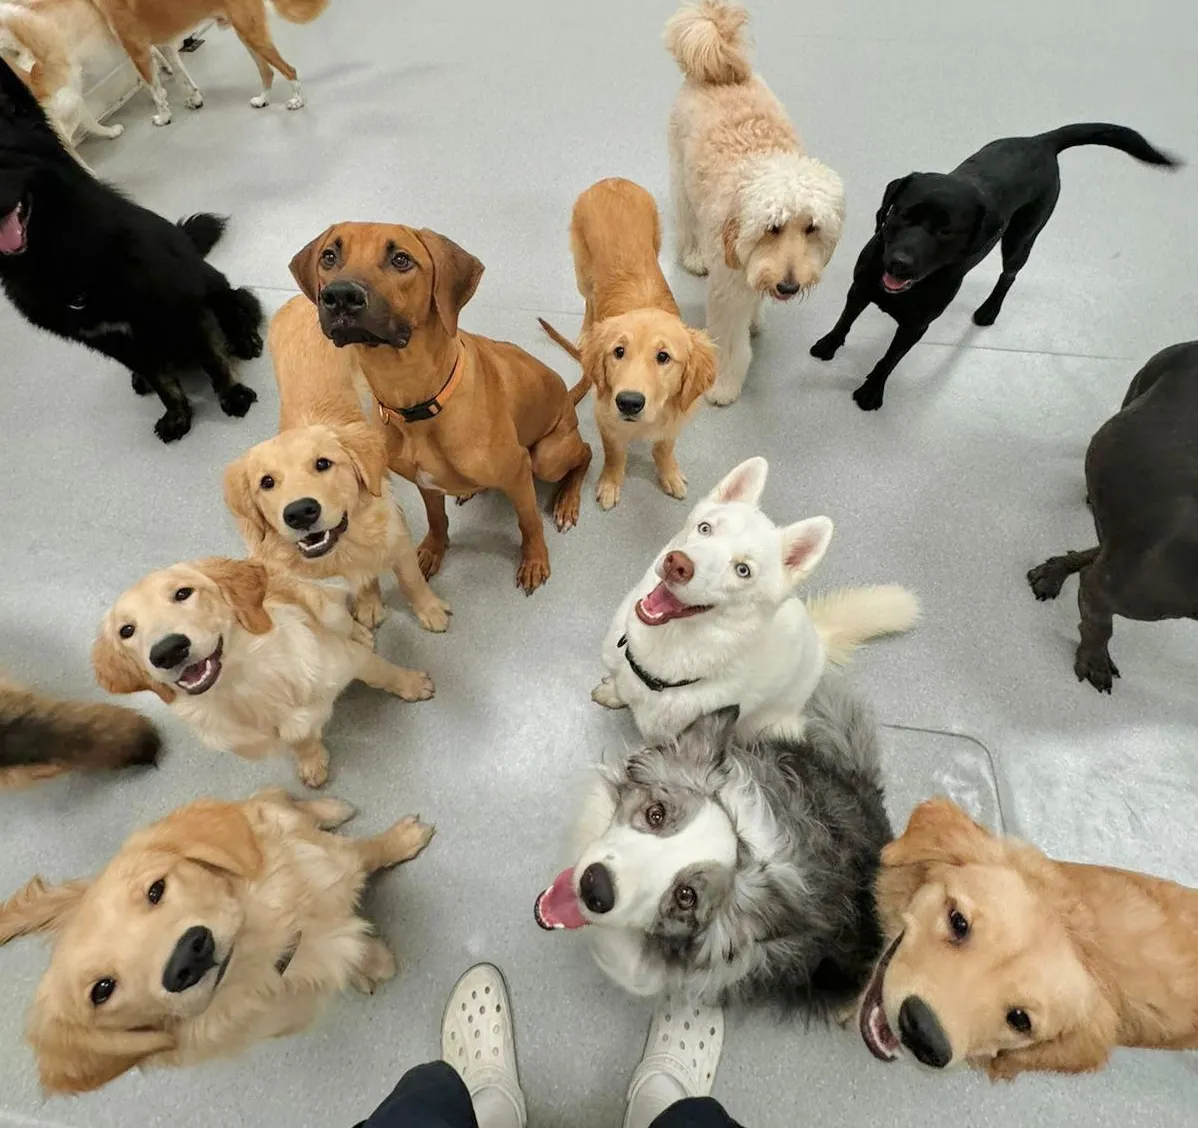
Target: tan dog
[1007, 960]
[221, 925]
[648, 369]
[316, 500]
[252, 657]
[464, 413]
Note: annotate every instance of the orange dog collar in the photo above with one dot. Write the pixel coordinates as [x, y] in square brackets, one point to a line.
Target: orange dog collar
[430, 408]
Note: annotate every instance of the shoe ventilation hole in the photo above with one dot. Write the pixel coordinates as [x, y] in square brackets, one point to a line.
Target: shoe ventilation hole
[474, 994]
[478, 1055]
[498, 1008]
[463, 1006]
[712, 1031]
[477, 1033]
[686, 1026]
[482, 1010]
[696, 1014]
[486, 990]
[494, 1051]
[453, 1036]
[495, 1030]
[700, 1045]
[469, 1018]
[668, 1019]
[682, 1045]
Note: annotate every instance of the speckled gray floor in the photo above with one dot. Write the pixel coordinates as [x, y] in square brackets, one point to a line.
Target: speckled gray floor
[484, 120]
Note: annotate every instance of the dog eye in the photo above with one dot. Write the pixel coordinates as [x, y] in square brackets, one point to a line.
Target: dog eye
[655, 815]
[126, 630]
[776, 229]
[102, 992]
[663, 357]
[1017, 1019]
[155, 893]
[958, 924]
[812, 228]
[743, 570]
[183, 594]
[401, 260]
[323, 464]
[266, 482]
[703, 528]
[328, 257]
[618, 352]
[685, 897]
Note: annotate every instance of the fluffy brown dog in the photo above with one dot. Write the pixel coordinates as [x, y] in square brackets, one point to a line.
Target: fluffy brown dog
[1007, 960]
[316, 500]
[648, 369]
[463, 413]
[221, 925]
[254, 658]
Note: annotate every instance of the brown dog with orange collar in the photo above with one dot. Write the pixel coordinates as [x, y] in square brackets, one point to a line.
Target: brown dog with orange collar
[463, 413]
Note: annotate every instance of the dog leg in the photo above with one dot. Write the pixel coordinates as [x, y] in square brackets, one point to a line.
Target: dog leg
[163, 65]
[757, 321]
[431, 613]
[686, 223]
[669, 473]
[175, 65]
[431, 550]
[255, 35]
[377, 966]
[368, 605]
[401, 843]
[1047, 579]
[89, 124]
[562, 456]
[408, 685]
[312, 760]
[147, 68]
[869, 396]
[615, 465]
[534, 553]
[1092, 662]
[235, 399]
[328, 814]
[730, 305]
[176, 421]
[605, 694]
[854, 306]
[1017, 242]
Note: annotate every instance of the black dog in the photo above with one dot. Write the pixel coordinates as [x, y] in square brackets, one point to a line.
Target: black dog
[934, 228]
[80, 260]
[1142, 480]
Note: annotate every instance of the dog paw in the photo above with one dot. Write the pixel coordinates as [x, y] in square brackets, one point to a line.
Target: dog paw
[314, 769]
[1046, 581]
[607, 494]
[259, 100]
[414, 685]
[868, 397]
[369, 611]
[433, 615]
[194, 100]
[238, 400]
[693, 261]
[532, 573]
[140, 384]
[163, 118]
[295, 102]
[464, 498]
[721, 396]
[328, 813]
[1096, 667]
[825, 348]
[246, 346]
[112, 132]
[985, 315]
[605, 694]
[673, 483]
[173, 425]
[376, 968]
[429, 554]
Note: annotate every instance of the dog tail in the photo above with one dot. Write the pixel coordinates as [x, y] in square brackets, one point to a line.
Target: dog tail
[707, 42]
[239, 315]
[1114, 137]
[299, 11]
[204, 229]
[847, 617]
[842, 726]
[583, 386]
[38, 35]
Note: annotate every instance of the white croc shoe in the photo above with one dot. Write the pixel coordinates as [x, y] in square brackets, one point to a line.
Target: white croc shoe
[477, 1038]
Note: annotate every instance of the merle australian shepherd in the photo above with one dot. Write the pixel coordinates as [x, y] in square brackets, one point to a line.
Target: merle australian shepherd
[80, 260]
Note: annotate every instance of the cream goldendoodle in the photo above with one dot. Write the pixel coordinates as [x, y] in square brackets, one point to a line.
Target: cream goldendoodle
[752, 208]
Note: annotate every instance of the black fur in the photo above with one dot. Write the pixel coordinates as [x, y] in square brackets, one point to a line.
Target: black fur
[98, 269]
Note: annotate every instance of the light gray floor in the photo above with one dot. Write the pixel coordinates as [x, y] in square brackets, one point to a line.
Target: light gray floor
[484, 120]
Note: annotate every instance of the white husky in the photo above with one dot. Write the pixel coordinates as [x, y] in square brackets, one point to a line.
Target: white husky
[716, 622]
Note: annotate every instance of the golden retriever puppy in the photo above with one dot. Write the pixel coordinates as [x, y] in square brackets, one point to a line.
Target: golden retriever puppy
[316, 499]
[648, 369]
[252, 657]
[753, 208]
[1001, 958]
[220, 926]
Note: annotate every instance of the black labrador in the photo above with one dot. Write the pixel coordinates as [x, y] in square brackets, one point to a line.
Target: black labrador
[1142, 481]
[80, 260]
[933, 228]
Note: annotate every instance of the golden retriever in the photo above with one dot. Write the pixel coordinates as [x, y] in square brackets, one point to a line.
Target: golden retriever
[1004, 959]
[649, 371]
[222, 925]
[316, 499]
[251, 656]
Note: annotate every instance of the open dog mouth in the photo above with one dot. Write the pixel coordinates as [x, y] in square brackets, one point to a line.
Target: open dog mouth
[871, 1020]
[320, 544]
[661, 606]
[894, 285]
[224, 966]
[200, 677]
[14, 229]
[558, 906]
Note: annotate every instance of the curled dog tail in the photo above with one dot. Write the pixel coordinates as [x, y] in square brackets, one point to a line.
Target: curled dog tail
[1114, 137]
[204, 229]
[583, 386]
[847, 617]
[707, 42]
[299, 11]
[38, 35]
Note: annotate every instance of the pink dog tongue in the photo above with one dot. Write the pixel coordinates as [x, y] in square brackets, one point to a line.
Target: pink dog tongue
[558, 906]
[12, 233]
[892, 283]
[661, 605]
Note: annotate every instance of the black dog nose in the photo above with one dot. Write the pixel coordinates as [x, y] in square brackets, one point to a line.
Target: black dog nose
[170, 651]
[302, 514]
[630, 403]
[899, 265]
[922, 1033]
[788, 288]
[597, 888]
[194, 956]
[344, 297]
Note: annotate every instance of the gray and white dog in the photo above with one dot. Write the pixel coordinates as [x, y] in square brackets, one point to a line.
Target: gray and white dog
[733, 871]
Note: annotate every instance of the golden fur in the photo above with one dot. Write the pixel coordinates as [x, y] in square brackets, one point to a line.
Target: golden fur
[320, 418]
[1096, 957]
[284, 650]
[633, 337]
[267, 881]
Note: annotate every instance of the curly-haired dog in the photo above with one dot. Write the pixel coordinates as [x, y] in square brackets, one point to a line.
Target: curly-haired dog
[735, 871]
[752, 208]
[649, 370]
[316, 499]
[1007, 960]
[251, 656]
[220, 926]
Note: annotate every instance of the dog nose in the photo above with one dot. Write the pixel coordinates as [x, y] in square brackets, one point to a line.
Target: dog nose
[301, 514]
[170, 651]
[788, 288]
[630, 403]
[194, 956]
[344, 297]
[899, 264]
[922, 1034]
[597, 889]
[678, 568]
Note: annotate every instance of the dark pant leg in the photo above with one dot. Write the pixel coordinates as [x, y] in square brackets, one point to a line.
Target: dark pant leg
[429, 1096]
[695, 1112]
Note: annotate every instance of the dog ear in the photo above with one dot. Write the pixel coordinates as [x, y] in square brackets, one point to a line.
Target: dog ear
[731, 236]
[456, 275]
[118, 671]
[699, 373]
[38, 907]
[209, 831]
[746, 483]
[1082, 1047]
[939, 831]
[705, 740]
[303, 265]
[888, 197]
[239, 497]
[366, 449]
[803, 546]
[242, 585]
[594, 347]
[73, 1058]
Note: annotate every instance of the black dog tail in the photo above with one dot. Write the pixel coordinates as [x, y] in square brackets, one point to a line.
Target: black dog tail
[1113, 136]
[239, 315]
[204, 229]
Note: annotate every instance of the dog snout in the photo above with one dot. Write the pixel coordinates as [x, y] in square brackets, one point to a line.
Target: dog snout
[344, 297]
[787, 288]
[900, 265]
[597, 889]
[922, 1034]
[678, 568]
[194, 956]
[630, 403]
[170, 651]
[302, 513]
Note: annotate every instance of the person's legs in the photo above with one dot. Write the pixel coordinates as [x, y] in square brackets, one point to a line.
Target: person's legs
[695, 1112]
[429, 1096]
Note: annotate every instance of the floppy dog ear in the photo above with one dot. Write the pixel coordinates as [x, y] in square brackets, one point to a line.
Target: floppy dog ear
[705, 740]
[594, 347]
[731, 236]
[214, 833]
[303, 265]
[242, 584]
[73, 1058]
[888, 197]
[746, 483]
[38, 907]
[367, 451]
[118, 671]
[699, 374]
[803, 546]
[1081, 1048]
[939, 831]
[457, 274]
[239, 497]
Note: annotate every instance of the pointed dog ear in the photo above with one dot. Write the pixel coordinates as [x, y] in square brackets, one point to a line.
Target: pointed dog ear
[303, 265]
[242, 584]
[456, 275]
[745, 483]
[366, 449]
[214, 833]
[699, 373]
[803, 546]
[888, 197]
[239, 497]
[38, 907]
[118, 671]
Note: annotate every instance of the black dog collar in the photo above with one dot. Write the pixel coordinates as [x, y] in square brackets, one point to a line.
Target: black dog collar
[430, 408]
[284, 961]
[655, 684]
